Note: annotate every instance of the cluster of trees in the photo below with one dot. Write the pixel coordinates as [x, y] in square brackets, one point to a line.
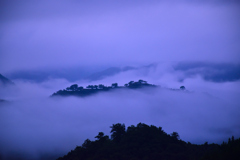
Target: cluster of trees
[76, 90]
[143, 142]
[131, 84]
[90, 89]
[138, 84]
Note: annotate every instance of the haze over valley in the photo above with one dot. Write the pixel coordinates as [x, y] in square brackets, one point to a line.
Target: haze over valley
[50, 46]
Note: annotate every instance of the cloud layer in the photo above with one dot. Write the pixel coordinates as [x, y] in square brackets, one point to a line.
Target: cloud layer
[78, 37]
[37, 126]
[62, 34]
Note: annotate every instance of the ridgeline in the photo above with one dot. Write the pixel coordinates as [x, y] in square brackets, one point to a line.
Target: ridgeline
[5, 81]
[143, 142]
[75, 90]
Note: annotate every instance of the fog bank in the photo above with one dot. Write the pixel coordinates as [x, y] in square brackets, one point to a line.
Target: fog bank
[35, 125]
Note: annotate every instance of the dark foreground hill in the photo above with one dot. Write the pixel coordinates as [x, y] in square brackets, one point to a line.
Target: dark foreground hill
[143, 142]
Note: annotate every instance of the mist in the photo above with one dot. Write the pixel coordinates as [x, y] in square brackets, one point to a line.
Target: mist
[46, 46]
[35, 126]
[52, 35]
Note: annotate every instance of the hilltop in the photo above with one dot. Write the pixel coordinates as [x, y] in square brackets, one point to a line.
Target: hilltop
[75, 90]
[143, 142]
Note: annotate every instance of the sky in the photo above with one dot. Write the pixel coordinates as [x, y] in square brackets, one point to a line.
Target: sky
[169, 43]
[51, 34]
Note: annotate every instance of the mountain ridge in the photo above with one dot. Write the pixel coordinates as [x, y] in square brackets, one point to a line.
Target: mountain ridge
[5, 81]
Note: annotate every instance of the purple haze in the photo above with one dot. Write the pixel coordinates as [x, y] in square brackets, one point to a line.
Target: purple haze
[48, 36]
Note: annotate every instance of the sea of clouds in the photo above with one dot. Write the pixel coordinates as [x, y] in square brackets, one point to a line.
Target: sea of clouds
[36, 126]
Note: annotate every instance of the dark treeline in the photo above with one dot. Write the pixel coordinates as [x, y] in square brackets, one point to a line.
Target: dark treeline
[91, 89]
[143, 142]
[75, 90]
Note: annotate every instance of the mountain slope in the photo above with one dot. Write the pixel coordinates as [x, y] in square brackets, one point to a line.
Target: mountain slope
[5, 81]
[144, 142]
[108, 72]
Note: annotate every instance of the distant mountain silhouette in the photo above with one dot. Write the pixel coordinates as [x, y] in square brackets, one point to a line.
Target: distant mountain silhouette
[70, 74]
[116, 70]
[108, 72]
[2, 100]
[215, 72]
[4, 81]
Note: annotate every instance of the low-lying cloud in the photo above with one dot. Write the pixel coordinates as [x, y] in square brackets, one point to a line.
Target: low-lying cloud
[61, 36]
[35, 126]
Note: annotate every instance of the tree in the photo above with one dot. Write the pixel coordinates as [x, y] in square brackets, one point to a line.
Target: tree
[100, 135]
[86, 143]
[130, 83]
[114, 85]
[90, 86]
[72, 87]
[118, 130]
[100, 86]
[141, 125]
[95, 86]
[80, 88]
[182, 88]
[175, 135]
[141, 81]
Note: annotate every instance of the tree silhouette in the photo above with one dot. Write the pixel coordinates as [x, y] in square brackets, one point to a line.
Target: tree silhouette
[95, 86]
[72, 87]
[114, 85]
[100, 135]
[130, 83]
[118, 130]
[141, 81]
[93, 89]
[182, 88]
[144, 142]
[90, 87]
[86, 143]
[175, 135]
[100, 86]
[80, 88]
